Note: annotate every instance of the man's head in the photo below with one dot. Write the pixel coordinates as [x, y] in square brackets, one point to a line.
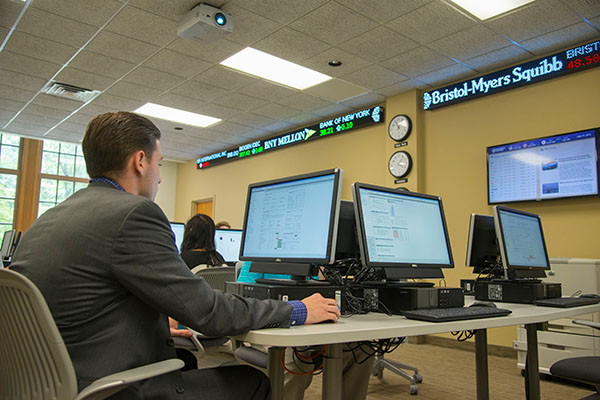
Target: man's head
[123, 144]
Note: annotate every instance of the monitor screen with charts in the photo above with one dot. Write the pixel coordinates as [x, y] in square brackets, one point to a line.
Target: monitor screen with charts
[292, 220]
[227, 242]
[521, 240]
[401, 229]
[178, 228]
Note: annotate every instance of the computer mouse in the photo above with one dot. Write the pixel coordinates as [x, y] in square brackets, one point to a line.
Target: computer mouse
[483, 304]
[590, 295]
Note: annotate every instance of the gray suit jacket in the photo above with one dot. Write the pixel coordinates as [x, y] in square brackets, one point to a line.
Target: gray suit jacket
[107, 265]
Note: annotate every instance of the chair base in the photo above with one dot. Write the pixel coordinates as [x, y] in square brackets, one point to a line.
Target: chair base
[399, 369]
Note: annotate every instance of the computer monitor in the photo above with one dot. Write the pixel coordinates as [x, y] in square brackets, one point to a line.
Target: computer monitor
[227, 242]
[7, 241]
[521, 242]
[482, 247]
[346, 246]
[178, 229]
[290, 224]
[401, 232]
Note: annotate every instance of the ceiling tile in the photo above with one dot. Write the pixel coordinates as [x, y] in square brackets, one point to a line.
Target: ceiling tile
[335, 23]
[350, 62]
[279, 127]
[240, 101]
[498, 58]
[56, 28]
[219, 111]
[133, 91]
[378, 44]
[230, 128]
[16, 94]
[402, 87]
[81, 118]
[83, 79]
[63, 136]
[334, 109]
[215, 52]
[181, 103]
[94, 13]
[469, 43]
[9, 11]
[248, 26]
[584, 8]
[304, 102]
[121, 47]
[27, 65]
[267, 90]
[47, 121]
[6, 116]
[565, 37]
[252, 120]
[275, 111]
[383, 10]
[3, 33]
[76, 128]
[153, 78]
[40, 48]
[336, 90]
[120, 103]
[446, 75]
[176, 63]
[374, 77]
[280, 11]
[26, 129]
[533, 20]
[100, 64]
[148, 27]
[199, 91]
[57, 102]
[10, 105]
[21, 81]
[595, 22]
[417, 62]
[290, 45]
[225, 78]
[304, 119]
[91, 110]
[169, 9]
[366, 100]
[433, 21]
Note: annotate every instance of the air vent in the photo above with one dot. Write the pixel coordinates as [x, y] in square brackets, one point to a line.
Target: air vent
[71, 92]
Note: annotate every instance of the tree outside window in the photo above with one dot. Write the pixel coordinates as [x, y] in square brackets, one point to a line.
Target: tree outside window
[9, 172]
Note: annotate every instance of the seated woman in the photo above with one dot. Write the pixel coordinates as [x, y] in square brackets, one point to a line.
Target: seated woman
[198, 245]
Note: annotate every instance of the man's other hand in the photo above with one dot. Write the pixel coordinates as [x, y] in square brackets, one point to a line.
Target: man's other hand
[178, 332]
[320, 309]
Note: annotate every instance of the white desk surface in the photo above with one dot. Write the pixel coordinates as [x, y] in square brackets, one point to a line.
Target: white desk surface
[373, 326]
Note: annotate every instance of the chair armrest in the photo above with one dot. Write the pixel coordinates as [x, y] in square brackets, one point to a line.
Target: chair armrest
[591, 324]
[104, 387]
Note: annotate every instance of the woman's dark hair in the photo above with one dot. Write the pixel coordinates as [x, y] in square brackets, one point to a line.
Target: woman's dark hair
[111, 138]
[200, 234]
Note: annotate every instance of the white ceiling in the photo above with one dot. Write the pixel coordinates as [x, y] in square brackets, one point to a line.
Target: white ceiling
[129, 50]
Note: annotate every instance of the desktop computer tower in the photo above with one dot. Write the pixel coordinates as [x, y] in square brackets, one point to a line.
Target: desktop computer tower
[516, 292]
[395, 300]
[263, 291]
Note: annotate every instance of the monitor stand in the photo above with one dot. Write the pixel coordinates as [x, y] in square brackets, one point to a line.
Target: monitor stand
[299, 273]
[522, 276]
[398, 277]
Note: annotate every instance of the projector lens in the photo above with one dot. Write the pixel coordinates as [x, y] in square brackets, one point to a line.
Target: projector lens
[220, 19]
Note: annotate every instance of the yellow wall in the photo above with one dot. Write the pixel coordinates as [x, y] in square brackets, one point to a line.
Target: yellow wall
[448, 147]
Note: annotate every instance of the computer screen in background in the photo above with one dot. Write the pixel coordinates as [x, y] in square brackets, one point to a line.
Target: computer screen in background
[178, 228]
[227, 242]
[521, 242]
[7, 241]
[402, 232]
[290, 224]
[346, 245]
[482, 247]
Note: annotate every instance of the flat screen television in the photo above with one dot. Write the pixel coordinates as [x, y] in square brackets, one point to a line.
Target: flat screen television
[290, 224]
[401, 232]
[551, 167]
[178, 229]
[521, 242]
[227, 243]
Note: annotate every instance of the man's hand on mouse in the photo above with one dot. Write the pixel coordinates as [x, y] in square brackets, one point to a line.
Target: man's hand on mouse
[320, 309]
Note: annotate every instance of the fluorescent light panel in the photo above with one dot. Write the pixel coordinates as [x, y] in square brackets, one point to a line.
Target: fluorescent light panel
[484, 9]
[173, 114]
[263, 65]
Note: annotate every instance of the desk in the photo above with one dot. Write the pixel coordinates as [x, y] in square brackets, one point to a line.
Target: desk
[374, 326]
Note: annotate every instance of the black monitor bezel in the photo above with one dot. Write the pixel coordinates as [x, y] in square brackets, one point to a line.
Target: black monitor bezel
[356, 187]
[8, 237]
[475, 223]
[333, 222]
[502, 242]
[597, 143]
[217, 230]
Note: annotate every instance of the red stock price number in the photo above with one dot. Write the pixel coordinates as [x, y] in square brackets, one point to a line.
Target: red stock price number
[584, 61]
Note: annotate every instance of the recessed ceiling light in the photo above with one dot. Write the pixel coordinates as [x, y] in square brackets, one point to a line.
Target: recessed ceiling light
[335, 63]
[488, 9]
[263, 65]
[173, 114]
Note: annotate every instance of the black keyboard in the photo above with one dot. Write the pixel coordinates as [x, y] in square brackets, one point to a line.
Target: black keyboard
[565, 302]
[455, 314]
[397, 284]
[289, 282]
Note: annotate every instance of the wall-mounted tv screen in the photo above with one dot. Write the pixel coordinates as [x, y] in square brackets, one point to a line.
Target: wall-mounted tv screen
[551, 167]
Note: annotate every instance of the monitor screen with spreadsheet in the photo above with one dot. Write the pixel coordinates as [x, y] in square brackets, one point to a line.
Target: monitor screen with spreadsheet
[292, 219]
[551, 167]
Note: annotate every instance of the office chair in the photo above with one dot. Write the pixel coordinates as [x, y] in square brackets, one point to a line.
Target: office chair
[581, 369]
[398, 368]
[34, 361]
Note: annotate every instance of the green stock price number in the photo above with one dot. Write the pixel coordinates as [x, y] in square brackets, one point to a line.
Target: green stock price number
[344, 126]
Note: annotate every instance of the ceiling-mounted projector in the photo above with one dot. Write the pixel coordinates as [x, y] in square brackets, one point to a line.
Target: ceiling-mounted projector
[205, 23]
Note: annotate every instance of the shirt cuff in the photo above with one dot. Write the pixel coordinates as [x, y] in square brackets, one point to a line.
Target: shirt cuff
[299, 312]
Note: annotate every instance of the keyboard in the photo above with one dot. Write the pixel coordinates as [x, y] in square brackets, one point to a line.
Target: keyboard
[397, 284]
[455, 314]
[289, 282]
[565, 302]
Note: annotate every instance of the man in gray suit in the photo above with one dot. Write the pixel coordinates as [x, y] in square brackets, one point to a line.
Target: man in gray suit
[106, 262]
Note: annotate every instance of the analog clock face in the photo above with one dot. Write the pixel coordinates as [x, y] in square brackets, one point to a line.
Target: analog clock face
[400, 164]
[399, 127]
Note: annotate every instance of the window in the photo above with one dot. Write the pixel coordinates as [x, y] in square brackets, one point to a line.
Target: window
[9, 172]
[63, 173]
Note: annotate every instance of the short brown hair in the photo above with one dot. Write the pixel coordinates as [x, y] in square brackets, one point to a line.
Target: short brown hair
[112, 137]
